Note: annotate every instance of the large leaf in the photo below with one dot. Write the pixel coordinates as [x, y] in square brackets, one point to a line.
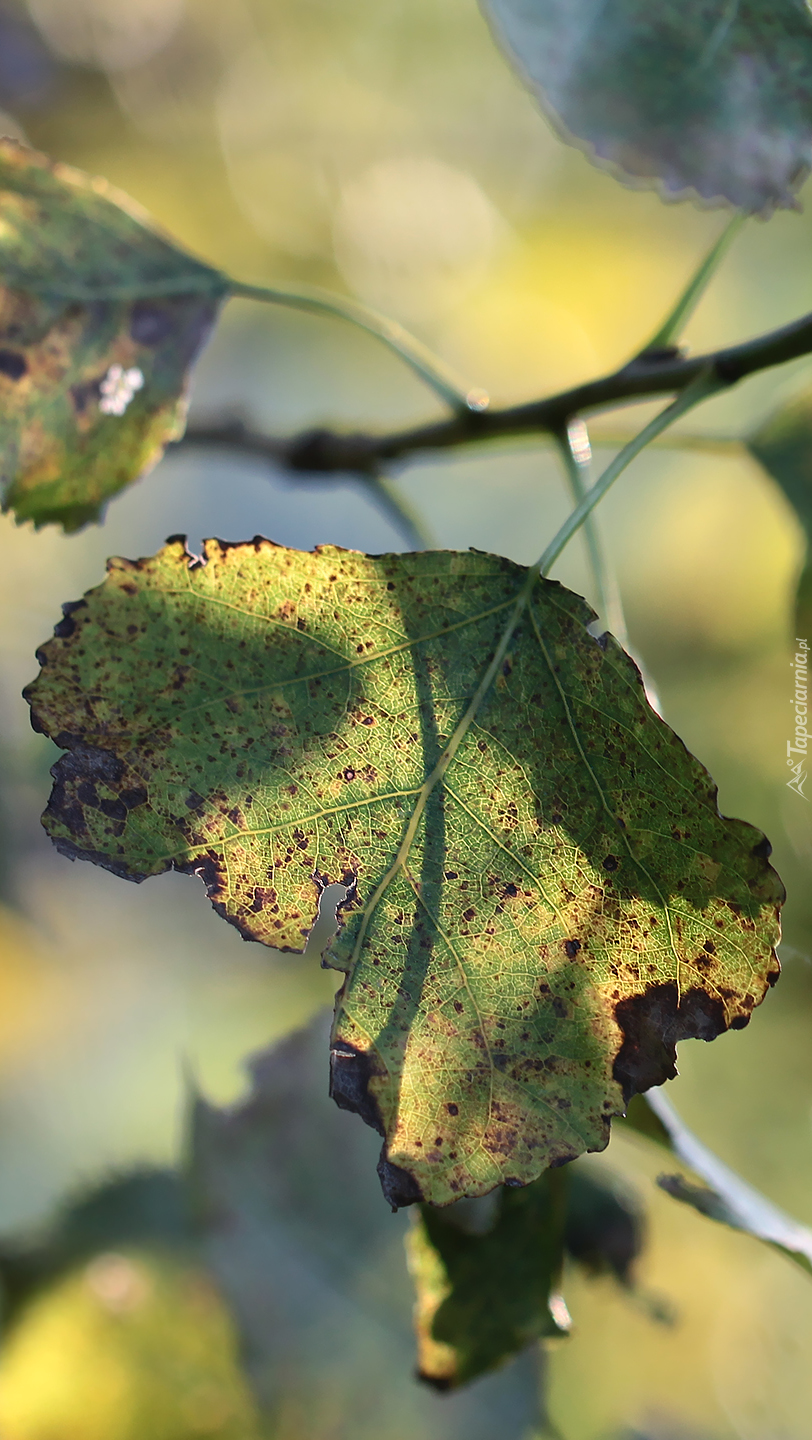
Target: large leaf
[100, 320]
[699, 96]
[783, 445]
[526, 938]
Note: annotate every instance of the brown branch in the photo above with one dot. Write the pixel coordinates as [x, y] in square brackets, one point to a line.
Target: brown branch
[653, 373]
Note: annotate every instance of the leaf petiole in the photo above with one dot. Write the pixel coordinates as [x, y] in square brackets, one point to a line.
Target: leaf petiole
[462, 399]
[694, 290]
[397, 510]
[704, 385]
[724, 1197]
[576, 453]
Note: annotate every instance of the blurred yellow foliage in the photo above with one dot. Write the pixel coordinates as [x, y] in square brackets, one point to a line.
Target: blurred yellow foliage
[131, 1347]
[33, 997]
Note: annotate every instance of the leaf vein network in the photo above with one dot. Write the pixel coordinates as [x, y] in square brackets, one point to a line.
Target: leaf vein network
[576, 737]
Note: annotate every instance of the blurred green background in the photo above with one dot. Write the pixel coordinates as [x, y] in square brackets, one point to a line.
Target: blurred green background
[385, 149]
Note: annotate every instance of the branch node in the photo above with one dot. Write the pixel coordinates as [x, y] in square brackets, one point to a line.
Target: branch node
[323, 451]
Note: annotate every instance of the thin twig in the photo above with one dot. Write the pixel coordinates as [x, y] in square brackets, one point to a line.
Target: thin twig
[328, 451]
[576, 453]
[397, 510]
[434, 371]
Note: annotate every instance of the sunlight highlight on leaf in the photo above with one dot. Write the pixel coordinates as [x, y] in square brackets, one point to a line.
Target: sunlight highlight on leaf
[529, 929]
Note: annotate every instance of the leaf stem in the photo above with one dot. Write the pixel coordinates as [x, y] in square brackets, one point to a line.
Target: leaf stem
[704, 385]
[441, 379]
[325, 451]
[694, 290]
[405, 517]
[546, 1429]
[576, 453]
[730, 1199]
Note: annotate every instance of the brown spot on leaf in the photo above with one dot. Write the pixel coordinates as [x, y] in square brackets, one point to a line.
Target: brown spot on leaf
[399, 1186]
[652, 1024]
[350, 1073]
[13, 364]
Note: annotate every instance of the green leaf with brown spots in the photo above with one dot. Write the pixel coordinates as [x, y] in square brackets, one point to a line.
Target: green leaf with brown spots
[485, 1292]
[543, 898]
[101, 317]
[709, 99]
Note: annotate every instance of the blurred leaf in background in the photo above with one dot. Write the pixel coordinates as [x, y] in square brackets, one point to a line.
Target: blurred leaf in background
[310, 1258]
[723, 111]
[132, 1343]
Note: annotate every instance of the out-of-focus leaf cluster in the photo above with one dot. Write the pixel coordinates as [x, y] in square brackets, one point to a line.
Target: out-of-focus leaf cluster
[280, 1208]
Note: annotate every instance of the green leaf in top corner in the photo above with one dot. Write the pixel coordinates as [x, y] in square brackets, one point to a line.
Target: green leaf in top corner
[710, 98]
[783, 445]
[485, 1292]
[526, 935]
[101, 317]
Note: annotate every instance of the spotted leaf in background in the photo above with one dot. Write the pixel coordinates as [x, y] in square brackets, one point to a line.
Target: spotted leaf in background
[100, 319]
[526, 941]
[697, 96]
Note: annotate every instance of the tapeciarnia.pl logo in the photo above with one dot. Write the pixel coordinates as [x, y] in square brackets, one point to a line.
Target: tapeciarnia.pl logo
[800, 748]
